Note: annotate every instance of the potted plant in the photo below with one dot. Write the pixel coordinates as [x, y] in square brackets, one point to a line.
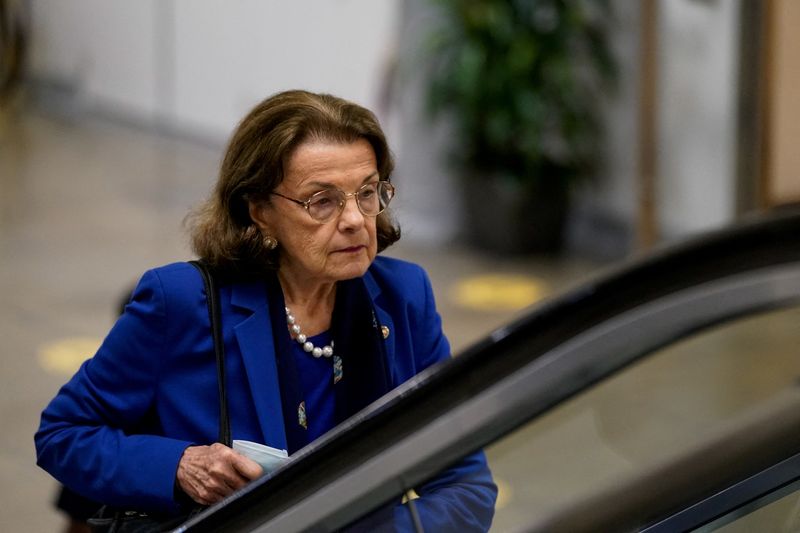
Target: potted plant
[520, 79]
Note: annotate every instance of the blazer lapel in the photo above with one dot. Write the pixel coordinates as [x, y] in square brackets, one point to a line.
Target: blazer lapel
[385, 322]
[256, 344]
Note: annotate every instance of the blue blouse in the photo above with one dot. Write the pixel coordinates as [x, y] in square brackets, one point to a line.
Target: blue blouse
[316, 384]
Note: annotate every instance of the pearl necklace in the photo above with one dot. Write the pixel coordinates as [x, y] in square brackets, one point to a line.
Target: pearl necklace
[307, 345]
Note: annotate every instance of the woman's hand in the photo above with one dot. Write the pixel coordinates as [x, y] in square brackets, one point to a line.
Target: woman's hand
[210, 473]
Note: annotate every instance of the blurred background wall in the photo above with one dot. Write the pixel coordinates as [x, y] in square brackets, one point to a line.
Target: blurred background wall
[195, 67]
[697, 114]
[198, 67]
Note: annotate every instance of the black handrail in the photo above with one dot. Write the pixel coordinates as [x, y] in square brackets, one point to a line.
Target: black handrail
[737, 499]
[531, 343]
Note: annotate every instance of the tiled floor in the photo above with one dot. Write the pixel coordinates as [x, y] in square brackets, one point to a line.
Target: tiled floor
[87, 205]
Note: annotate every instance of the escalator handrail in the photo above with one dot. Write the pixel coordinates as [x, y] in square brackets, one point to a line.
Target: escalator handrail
[763, 245]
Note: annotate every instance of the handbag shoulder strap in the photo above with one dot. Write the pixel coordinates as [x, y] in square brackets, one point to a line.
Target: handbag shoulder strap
[214, 314]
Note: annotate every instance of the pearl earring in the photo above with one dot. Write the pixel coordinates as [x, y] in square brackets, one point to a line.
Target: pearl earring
[270, 242]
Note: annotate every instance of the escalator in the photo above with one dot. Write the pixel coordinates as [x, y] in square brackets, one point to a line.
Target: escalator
[662, 396]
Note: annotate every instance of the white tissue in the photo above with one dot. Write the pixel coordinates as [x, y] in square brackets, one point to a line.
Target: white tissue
[269, 458]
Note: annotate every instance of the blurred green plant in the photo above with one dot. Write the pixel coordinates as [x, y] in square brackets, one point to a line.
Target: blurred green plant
[520, 80]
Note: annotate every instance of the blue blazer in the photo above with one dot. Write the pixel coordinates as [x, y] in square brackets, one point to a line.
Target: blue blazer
[116, 431]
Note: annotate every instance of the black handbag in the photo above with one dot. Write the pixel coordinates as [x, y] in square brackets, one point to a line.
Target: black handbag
[111, 520]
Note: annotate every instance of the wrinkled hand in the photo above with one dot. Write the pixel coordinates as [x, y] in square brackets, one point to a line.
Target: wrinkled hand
[210, 473]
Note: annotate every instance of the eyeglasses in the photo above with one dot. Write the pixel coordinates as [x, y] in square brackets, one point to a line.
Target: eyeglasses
[371, 199]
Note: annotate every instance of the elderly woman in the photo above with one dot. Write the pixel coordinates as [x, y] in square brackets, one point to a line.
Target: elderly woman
[315, 327]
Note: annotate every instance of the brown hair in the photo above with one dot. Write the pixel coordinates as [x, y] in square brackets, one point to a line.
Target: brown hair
[221, 230]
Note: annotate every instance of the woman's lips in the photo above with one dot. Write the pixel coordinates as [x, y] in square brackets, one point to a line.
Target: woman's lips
[351, 249]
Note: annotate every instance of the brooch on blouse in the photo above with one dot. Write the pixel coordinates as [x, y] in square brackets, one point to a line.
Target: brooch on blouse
[337, 369]
[301, 415]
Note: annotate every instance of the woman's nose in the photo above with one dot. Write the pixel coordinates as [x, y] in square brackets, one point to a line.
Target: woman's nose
[351, 216]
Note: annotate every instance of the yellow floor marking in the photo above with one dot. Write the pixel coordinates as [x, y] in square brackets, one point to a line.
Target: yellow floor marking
[499, 292]
[64, 356]
[504, 493]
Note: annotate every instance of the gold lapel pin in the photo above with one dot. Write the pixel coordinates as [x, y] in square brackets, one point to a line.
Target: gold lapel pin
[385, 331]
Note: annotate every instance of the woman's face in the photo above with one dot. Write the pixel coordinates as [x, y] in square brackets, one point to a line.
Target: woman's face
[341, 248]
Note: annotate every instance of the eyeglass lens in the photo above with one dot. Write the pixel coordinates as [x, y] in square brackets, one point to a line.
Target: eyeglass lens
[371, 199]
